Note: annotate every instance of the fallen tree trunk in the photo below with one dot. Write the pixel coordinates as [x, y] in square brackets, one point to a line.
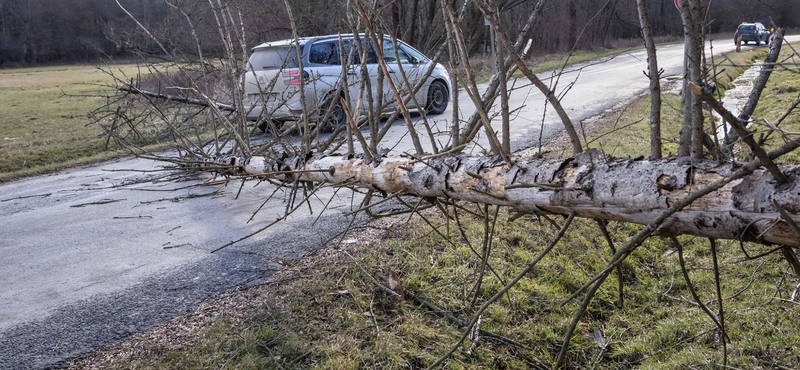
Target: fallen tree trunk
[180, 99]
[591, 185]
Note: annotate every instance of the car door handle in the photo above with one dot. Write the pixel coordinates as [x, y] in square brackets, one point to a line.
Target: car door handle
[391, 71]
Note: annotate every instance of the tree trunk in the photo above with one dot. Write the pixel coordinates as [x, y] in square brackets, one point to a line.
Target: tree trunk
[590, 185]
[573, 25]
[685, 139]
[655, 83]
[612, 10]
[412, 29]
[396, 17]
[691, 15]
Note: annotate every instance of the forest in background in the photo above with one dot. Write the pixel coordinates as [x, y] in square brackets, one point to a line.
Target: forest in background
[36, 32]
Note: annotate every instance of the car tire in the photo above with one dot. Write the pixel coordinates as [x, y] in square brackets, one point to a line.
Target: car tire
[758, 42]
[338, 117]
[438, 98]
[264, 126]
[746, 42]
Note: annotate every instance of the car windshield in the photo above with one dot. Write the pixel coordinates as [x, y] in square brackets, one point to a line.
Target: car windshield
[390, 53]
[414, 53]
[274, 58]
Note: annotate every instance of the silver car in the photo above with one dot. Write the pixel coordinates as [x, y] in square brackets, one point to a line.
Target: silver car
[273, 79]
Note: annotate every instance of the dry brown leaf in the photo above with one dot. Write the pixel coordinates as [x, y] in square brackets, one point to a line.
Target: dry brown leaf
[393, 282]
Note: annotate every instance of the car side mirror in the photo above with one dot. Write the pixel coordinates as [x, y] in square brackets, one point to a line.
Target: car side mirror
[414, 60]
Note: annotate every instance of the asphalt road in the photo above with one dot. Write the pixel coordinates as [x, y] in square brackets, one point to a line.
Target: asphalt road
[92, 255]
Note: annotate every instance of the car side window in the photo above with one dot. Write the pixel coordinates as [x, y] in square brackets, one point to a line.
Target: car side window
[348, 46]
[326, 52]
[390, 54]
[372, 57]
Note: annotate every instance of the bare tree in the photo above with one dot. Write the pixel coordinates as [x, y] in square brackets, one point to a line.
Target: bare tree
[692, 134]
[654, 74]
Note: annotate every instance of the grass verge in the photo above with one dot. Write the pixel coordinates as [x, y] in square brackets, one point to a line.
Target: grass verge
[44, 123]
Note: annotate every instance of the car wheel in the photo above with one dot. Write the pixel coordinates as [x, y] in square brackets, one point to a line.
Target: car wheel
[263, 125]
[746, 42]
[758, 42]
[337, 118]
[438, 98]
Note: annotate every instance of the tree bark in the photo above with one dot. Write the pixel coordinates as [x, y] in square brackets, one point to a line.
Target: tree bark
[396, 17]
[655, 83]
[691, 15]
[590, 185]
[573, 25]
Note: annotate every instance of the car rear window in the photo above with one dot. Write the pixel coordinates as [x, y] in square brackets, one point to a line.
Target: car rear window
[274, 58]
[747, 28]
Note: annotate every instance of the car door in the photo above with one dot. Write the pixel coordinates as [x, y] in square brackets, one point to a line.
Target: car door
[400, 64]
[364, 68]
[763, 33]
[325, 68]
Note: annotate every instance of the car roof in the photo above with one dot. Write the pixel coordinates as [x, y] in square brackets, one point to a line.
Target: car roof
[303, 40]
[287, 42]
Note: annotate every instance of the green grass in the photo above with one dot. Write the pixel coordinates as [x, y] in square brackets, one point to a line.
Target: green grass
[732, 65]
[305, 324]
[782, 91]
[44, 123]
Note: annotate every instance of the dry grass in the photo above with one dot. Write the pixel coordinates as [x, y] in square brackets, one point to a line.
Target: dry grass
[44, 123]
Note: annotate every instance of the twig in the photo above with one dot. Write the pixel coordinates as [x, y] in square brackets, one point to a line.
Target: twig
[27, 196]
[685, 272]
[103, 201]
[620, 283]
[719, 300]
[177, 245]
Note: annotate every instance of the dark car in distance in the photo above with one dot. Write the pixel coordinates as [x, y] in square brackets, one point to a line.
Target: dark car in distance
[755, 32]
